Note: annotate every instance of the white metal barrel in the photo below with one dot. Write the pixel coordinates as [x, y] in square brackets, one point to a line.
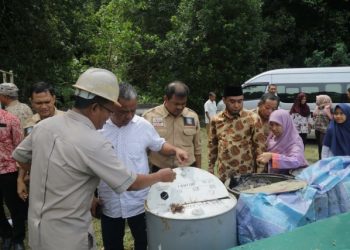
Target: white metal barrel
[193, 212]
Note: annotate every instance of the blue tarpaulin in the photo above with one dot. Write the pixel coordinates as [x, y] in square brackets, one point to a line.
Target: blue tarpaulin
[327, 193]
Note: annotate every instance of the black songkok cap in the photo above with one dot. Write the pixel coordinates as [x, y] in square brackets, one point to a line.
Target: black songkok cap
[233, 91]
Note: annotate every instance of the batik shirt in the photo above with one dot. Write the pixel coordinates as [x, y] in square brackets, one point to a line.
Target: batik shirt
[234, 144]
[21, 110]
[10, 136]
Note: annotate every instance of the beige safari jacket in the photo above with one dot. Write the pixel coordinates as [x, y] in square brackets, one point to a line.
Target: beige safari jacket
[182, 131]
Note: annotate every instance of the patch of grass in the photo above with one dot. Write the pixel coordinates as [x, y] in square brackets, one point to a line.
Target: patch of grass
[311, 152]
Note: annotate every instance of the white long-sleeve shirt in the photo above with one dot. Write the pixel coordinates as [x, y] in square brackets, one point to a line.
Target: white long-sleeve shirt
[210, 107]
[130, 143]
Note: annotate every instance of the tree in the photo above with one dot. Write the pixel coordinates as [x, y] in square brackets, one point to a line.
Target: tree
[41, 40]
[339, 57]
[296, 29]
[127, 39]
[213, 44]
[204, 43]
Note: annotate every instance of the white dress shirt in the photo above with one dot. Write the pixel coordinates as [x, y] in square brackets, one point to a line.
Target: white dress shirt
[130, 143]
[210, 107]
[220, 106]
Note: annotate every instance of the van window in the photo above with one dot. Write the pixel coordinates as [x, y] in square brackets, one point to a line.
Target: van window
[254, 92]
[311, 93]
[346, 98]
[288, 92]
[334, 91]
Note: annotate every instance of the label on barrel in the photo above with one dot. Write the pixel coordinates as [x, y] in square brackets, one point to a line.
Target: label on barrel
[192, 189]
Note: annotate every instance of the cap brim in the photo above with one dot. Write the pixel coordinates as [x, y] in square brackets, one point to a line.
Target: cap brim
[113, 106]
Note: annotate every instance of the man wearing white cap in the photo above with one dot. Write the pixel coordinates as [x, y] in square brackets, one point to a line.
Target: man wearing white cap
[67, 158]
[9, 99]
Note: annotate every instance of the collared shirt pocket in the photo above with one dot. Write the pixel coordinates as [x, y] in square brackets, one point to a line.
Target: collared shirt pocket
[136, 154]
[133, 149]
[189, 133]
[162, 132]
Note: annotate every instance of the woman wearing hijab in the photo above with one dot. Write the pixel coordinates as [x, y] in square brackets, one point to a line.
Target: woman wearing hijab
[284, 145]
[322, 116]
[337, 139]
[301, 116]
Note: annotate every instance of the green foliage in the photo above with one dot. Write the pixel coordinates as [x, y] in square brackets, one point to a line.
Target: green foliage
[318, 60]
[213, 44]
[207, 44]
[339, 57]
[296, 29]
[40, 39]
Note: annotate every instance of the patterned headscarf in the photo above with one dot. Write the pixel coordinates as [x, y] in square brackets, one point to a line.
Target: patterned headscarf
[321, 101]
[285, 143]
[337, 137]
[298, 107]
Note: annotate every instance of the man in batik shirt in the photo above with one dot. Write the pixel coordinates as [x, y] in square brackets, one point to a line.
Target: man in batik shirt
[236, 138]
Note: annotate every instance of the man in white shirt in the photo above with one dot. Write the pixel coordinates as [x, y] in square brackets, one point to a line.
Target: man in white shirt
[221, 106]
[131, 137]
[209, 109]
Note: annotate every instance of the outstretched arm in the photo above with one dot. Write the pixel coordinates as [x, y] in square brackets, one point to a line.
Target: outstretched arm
[143, 181]
[181, 155]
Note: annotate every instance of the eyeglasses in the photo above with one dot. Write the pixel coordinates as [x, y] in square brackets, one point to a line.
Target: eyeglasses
[103, 106]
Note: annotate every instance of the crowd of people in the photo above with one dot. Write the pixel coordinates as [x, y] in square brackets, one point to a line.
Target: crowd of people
[96, 158]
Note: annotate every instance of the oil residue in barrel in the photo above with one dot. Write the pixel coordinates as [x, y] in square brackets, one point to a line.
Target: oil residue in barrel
[241, 183]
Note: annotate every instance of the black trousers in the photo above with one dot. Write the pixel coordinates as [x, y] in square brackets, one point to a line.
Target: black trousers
[8, 193]
[304, 138]
[319, 138]
[113, 232]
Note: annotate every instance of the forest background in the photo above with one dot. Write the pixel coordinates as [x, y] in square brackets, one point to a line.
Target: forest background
[205, 43]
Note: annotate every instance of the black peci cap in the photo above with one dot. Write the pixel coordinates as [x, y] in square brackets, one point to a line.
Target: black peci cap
[233, 91]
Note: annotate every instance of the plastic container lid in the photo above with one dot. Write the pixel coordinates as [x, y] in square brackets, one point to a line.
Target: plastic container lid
[194, 194]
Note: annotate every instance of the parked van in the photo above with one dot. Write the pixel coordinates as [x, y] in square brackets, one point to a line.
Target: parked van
[332, 81]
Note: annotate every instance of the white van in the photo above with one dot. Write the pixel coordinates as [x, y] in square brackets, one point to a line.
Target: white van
[332, 81]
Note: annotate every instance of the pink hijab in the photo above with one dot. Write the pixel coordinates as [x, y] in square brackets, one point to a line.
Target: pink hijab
[288, 140]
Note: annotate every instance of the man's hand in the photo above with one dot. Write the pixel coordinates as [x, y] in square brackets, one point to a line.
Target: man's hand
[181, 155]
[26, 178]
[95, 207]
[166, 175]
[24, 166]
[264, 157]
[22, 189]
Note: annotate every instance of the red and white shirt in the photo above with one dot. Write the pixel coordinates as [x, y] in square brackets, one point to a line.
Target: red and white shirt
[10, 136]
